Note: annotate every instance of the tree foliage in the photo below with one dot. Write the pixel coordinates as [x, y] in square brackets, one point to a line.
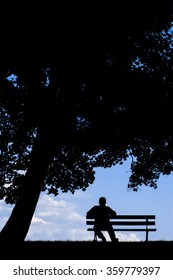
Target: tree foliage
[95, 81]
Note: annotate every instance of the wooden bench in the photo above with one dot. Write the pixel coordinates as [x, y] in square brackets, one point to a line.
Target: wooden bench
[129, 223]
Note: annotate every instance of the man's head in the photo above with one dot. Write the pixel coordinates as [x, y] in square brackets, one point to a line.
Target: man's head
[102, 201]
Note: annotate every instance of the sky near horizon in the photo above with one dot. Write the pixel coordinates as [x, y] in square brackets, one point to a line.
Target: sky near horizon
[63, 217]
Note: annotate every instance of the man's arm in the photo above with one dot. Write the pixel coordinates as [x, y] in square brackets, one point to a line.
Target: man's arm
[112, 213]
[91, 213]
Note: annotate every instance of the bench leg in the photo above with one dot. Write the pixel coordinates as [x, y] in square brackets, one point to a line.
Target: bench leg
[146, 236]
[95, 236]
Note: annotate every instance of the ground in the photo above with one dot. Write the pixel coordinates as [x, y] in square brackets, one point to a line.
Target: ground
[83, 250]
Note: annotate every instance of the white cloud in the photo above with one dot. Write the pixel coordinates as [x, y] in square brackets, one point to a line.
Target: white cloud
[36, 220]
[51, 202]
[128, 237]
[56, 220]
[75, 217]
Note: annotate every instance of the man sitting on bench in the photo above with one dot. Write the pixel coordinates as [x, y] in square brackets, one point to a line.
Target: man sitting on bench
[102, 213]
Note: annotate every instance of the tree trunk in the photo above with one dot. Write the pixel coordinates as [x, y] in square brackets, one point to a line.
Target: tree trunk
[16, 228]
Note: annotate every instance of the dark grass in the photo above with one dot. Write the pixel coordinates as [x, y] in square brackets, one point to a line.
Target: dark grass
[87, 250]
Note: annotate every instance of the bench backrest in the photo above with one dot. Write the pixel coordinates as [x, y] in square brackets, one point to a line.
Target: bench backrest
[129, 220]
[138, 220]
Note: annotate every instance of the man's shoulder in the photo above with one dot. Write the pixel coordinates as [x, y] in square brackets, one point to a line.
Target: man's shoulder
[110, 209]
[92, 212]
[92, 209]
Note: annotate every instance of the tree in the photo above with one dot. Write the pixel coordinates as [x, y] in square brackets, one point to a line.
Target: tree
[73, 80]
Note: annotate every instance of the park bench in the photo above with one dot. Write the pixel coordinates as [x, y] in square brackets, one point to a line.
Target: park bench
[128, 223]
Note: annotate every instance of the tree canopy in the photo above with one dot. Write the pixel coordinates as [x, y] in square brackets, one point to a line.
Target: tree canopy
[84, 85]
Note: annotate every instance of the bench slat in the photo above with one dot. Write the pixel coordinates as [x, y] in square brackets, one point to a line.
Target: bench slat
[151, 217]
[135, 217]
[128, 229]
[126, 223]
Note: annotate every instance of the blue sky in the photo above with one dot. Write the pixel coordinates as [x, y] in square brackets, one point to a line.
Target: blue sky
[63, 217]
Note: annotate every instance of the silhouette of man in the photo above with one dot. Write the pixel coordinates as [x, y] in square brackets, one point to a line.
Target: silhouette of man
[102, 213]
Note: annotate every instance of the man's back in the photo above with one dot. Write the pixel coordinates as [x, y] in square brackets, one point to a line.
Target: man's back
[101, 214]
